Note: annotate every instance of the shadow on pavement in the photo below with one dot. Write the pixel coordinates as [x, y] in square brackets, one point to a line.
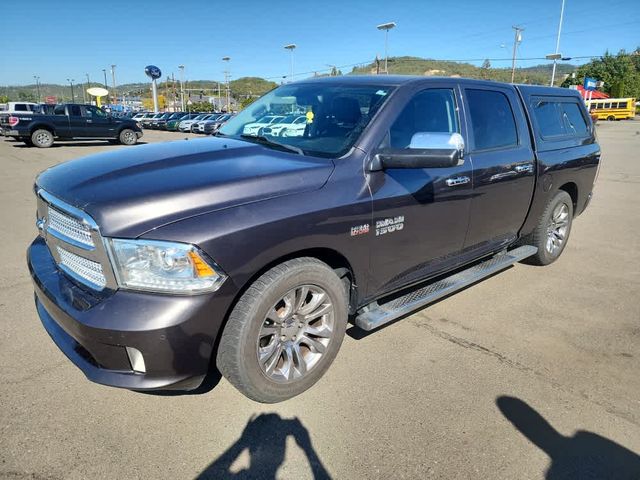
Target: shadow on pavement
[585, 455]
[264, 438]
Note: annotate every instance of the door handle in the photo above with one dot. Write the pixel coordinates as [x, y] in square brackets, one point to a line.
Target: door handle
[499, 176]
[526, 168]
[452, 182]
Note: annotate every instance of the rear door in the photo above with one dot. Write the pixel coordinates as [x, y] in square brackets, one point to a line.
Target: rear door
[77, 121]
[61, 120]
[503, 166]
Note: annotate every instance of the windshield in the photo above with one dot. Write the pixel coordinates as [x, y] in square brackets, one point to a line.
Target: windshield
[335, 116]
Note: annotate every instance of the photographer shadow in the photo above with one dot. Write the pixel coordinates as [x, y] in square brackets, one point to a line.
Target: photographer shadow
[585, 455]
[265, 437]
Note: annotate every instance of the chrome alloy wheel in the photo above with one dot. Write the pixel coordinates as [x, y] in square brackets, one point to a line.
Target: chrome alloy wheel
[557, 229]
[295, 333]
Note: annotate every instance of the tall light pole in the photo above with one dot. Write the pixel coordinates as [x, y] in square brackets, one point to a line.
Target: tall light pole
[517, 39]
[555, 60]
[113, 78]
[291, 47]
[37, 79]
[88, 85]
[181, 67]
[226, 79]
[386, 27]
[73, 98]
[104, 70]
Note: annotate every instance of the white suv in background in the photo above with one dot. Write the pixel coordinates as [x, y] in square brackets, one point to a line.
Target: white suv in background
[18, 107]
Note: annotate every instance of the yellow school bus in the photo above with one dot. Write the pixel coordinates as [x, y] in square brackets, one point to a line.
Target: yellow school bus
[612, 108]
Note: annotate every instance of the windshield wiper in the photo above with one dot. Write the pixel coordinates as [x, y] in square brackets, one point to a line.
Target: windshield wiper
[267, 141]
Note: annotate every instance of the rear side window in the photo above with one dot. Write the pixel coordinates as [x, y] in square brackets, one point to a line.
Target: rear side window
[21, 107]
[558, 118]
[59, 110]
[492, 120]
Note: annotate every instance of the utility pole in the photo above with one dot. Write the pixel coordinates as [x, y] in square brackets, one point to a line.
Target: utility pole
[37, 79]
[517, 39]
[226, 80]
[104, 70]
[555, 60]
[291, 47]
[181, 67]
[113, 78]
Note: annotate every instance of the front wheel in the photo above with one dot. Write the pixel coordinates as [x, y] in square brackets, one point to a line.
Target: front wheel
[553, 229]
[128, 137]
[611, 118]
[285, 331]
[42, 138]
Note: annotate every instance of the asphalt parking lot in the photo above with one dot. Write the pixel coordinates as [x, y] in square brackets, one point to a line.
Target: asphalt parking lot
[534, 372]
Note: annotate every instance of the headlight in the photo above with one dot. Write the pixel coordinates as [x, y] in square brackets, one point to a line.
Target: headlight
[166, 267]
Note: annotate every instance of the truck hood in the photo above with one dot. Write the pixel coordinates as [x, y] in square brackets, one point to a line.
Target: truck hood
[136, 189]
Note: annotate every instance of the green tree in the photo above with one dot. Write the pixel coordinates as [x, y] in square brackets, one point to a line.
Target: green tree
[247, 101]
[620, 74]
[4, 99]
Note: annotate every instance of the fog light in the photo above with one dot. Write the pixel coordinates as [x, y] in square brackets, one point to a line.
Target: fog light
[136, 359]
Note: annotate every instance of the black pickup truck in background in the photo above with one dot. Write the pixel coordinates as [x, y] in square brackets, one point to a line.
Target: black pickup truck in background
[66, 122]
[250, 252]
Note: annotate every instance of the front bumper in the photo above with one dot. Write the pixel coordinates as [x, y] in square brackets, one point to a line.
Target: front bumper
[175, 334]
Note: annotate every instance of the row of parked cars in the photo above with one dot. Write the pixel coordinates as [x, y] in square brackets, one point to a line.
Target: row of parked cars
[207, 123]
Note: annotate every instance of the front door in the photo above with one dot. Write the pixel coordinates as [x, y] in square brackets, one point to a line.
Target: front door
[503, 166]
[420, 216]
[99, 124]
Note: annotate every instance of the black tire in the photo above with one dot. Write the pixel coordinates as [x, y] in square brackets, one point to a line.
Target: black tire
[541, 236]
[611, 118]
[42, 138]
[237, 357]
[127, 137]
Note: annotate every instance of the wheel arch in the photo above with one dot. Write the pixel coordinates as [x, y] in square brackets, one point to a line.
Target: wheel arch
[572, 189]
[42, 126]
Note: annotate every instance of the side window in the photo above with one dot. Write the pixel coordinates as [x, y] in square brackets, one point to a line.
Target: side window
[622, 104]
[492, 120]
[21, 107]
[59, 110]
[74, 111]
[549, 118]
[91, 111]
[576, 123]
[429, 111]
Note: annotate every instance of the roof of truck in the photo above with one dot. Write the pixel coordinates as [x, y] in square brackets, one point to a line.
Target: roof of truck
[398, 80]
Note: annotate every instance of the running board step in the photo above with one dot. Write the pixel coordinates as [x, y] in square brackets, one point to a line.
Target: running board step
[376, 315]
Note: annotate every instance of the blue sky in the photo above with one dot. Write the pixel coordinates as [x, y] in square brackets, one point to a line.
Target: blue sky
[66, 39]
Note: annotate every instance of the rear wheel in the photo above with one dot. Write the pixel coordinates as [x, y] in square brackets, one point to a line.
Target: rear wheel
[42, 138]
[285, 331]
[611, 118]
[128, 137]
[553, 229]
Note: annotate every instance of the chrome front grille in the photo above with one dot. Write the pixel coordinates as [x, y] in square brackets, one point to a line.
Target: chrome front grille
[75, 243]
[69, 227]
[82, 269]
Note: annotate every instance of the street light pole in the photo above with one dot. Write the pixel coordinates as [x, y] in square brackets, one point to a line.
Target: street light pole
[37, 79]
[226, 79]
[555, 61]
[386, 27]
[291, 47]
[181, 67]
[88, 85]
[517, 39]
[104, 70]
[113, 78]
[73, 98]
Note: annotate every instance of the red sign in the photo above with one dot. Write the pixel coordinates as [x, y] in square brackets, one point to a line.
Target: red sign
[51, 100]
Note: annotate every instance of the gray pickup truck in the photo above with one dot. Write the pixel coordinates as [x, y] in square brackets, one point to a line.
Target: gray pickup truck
[250, 252]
